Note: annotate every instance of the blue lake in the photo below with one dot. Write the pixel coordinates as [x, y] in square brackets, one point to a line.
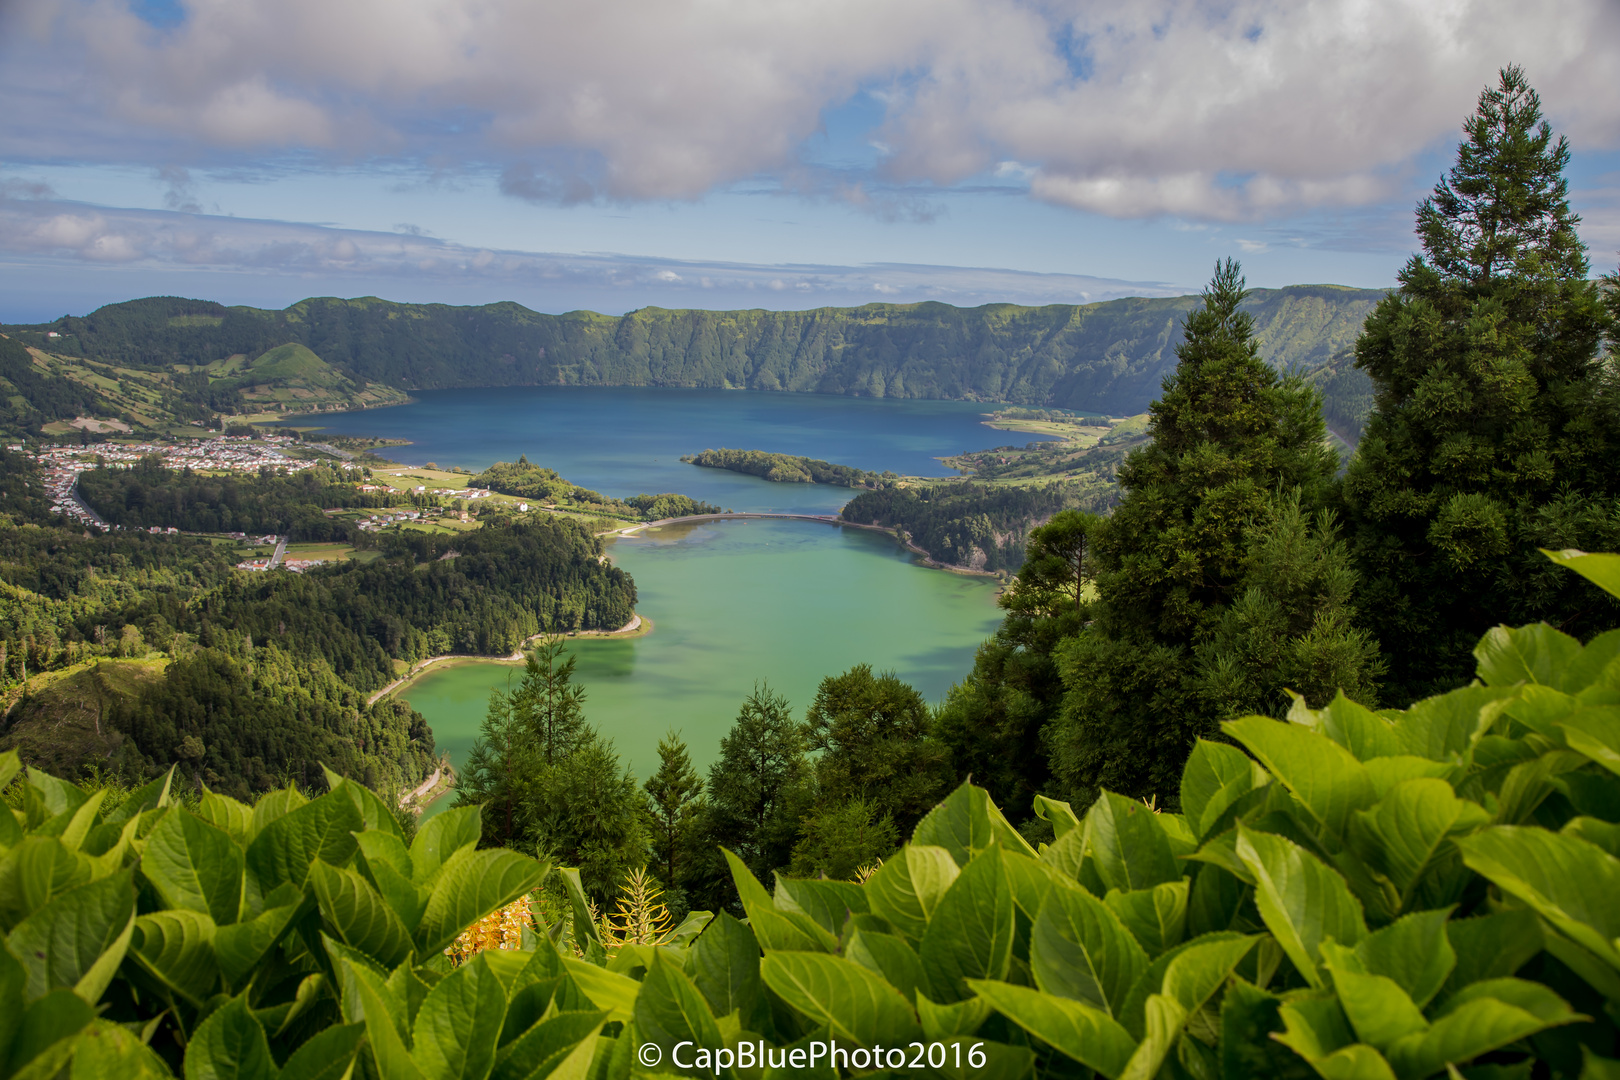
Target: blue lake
[625, 441]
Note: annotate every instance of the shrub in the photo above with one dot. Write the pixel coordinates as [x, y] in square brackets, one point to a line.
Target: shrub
[1346, 893]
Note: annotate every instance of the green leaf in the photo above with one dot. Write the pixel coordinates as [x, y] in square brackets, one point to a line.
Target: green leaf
[224, 812]
[459, 1024]
[287, 846]
[441, 837]
[275, 804]
[1357, 728]
[966, 823]
[1481, 1018]
[1414, 952]
[773, 928]
[326, 1055]
[724, 964]
[890, 957]
[1156, 917]
[79, 938]
[1401, 836]
[1378, 1008]
[971, 933]
[230, 1045]
[374, 813]
[1325, 777]
[1445, 728]
[670, 1009]
[1571, 883]
[358, 915]
[194, 865]
[469, 886]
[908, 887]
[1216, 776]
[1217, 901]
[106, 1049]
[177, 947]
[1595, 732]
[851, 1002]
[1080, 950]
[605, 989]
[829, 903]
[949, 1021]
[32, 872]
[1060, 815]
[366, 1000]
[1534, 654]
[58, 796]
[1601, 570]
[1129, 844]
[46, 1034]
[1074, 1029]
[1249, 1017]
[543, 1049]
[1492, 946]
[242, 945]
[1301, 899]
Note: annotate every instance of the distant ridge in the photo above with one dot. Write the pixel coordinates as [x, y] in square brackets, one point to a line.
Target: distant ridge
[1108, 356]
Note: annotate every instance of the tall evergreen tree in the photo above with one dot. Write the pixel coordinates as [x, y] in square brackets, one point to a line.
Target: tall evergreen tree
[675, 804]
[1495, 424]
[1229, 433]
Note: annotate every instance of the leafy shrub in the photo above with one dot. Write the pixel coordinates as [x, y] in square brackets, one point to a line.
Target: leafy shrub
[1352, 894]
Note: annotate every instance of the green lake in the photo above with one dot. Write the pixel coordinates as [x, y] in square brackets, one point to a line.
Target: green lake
[734, 603]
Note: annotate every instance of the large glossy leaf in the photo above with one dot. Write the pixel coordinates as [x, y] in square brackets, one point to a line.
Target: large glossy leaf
[1595, 732]
[286, 847]
[79, 938]
[441, 837]
[1482, 1018]
[605, 989]
[1401, 836]
[853, 1003]
[177, 948]
[1570, 882]
[459, 1024]
[1216, 776]
[45, 1034]
[374, 813]
[1445, 728]
[1079, 949]
[469, 886]
[32, 872]
[670, 1010]
[829, 903]
[366, 1000]
[724, 965]
[230, 1045]
[326, 1055]
[276, 804]
[1156, 917]
[966, 823]
[1355, 727]
[775, 929]
[242, 945]
[1601, 569]
[358, 915]
[1492, 946]
[1080, 1032]
[224, 812]
[1326, 778]
[890, 957]
[106, 1049]
[1379, 1010]
[971, 933]
[909, 886]
[1129, 844]
[1060, 815]
[544, 1047]
[194, 865]
[1414, 952]
[1301, 899]
[1535, 654]
[1191, 980]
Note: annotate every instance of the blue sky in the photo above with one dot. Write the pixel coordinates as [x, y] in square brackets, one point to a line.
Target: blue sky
[716, 153]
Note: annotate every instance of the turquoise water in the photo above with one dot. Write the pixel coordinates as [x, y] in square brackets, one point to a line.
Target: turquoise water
[624, 440]
[740, 602]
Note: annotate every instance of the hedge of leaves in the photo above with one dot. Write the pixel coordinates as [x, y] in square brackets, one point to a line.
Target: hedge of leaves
[1350, 894]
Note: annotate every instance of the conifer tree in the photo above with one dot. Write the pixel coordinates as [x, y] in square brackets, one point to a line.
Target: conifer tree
[1494, 429]
[675, 804]
[1233, 443]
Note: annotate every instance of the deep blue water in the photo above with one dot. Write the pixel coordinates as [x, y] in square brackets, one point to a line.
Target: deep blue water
[625, 441]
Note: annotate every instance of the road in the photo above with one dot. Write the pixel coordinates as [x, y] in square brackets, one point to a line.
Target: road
[281, 549]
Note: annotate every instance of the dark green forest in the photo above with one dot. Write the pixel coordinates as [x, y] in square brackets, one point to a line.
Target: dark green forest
[1106, 357]
[526, 480]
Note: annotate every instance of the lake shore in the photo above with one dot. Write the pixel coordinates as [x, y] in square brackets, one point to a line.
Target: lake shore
[638, 626]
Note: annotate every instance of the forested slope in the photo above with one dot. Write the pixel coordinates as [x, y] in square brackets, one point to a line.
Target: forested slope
[1109, 356]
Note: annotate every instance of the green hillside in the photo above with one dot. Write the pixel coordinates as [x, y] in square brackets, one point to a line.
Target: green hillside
[1108, 357]
[292, 378]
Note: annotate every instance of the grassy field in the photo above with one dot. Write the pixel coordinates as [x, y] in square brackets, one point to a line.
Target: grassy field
[320, 552]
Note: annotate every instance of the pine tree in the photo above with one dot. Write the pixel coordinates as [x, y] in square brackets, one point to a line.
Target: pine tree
[1229, 434]
[675, 803]
[1495, 425]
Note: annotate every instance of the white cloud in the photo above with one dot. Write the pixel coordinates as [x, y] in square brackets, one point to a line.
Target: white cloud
[1205, 109]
